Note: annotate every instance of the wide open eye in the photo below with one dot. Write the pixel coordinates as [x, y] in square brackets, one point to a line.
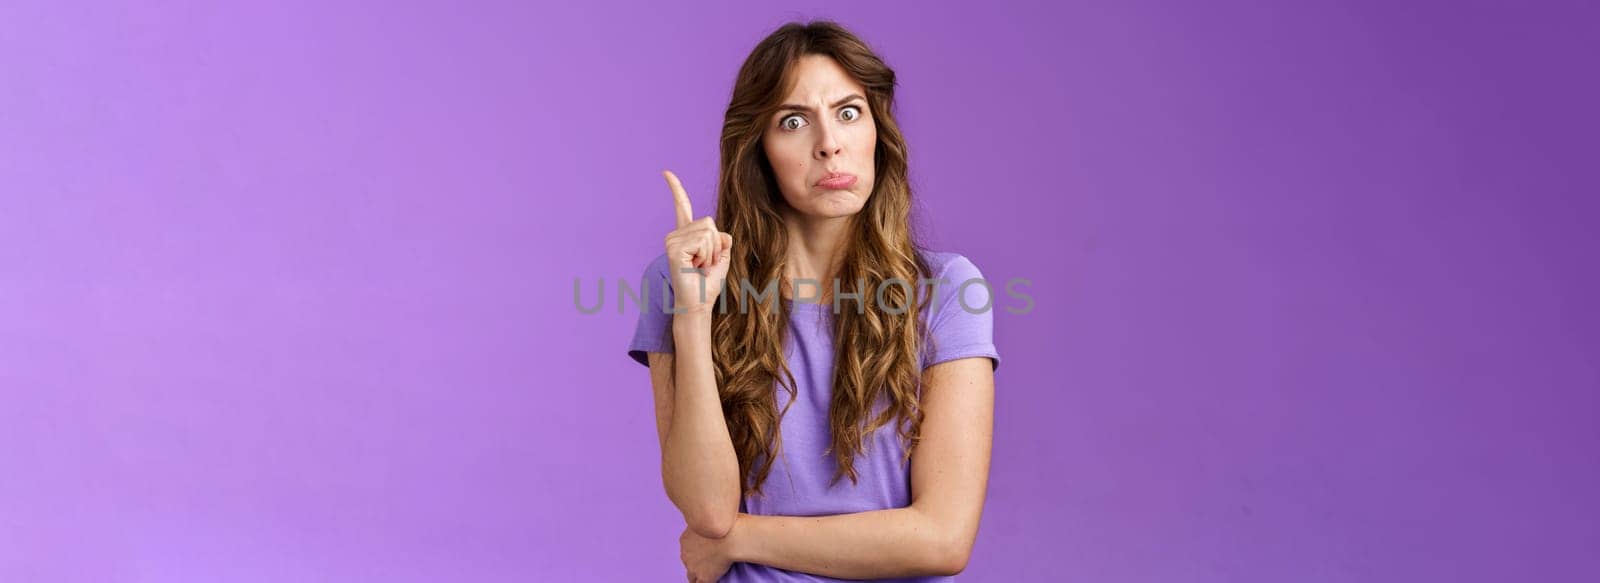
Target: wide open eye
[850, 113]
[792, 122]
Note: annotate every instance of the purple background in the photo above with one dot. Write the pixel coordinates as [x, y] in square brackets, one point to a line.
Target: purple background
[286, 287]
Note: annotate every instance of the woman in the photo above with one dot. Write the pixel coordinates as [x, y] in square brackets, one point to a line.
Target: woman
[841, 432]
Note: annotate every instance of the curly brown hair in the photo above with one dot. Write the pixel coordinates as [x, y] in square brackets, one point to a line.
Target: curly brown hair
[877, 359]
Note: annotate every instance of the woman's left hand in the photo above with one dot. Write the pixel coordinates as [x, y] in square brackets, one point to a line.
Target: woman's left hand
[705, 558]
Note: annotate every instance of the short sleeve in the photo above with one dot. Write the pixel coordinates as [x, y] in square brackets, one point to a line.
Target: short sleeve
[961, 317]
[653, 331]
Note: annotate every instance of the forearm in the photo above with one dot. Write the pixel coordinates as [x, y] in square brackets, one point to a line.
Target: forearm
[898, 542]
[698, 463]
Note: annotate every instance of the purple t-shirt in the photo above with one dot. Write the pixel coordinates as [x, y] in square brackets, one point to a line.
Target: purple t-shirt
[798, 483]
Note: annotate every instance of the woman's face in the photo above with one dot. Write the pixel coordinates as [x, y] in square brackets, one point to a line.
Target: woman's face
[821, 141]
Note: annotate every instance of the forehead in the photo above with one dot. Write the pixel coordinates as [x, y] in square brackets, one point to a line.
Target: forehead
[819, 78]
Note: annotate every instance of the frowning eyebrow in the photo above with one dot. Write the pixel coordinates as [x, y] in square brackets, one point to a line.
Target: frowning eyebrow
[847, 99]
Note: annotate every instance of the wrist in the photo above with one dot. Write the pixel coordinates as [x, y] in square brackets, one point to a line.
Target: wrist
[692, 317]
[737, 544]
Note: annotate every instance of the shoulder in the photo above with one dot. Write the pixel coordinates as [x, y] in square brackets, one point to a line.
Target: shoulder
[959, 313]
[653, 331]
[656, 267]
[656, 278]
[950, 266]
[953, 278]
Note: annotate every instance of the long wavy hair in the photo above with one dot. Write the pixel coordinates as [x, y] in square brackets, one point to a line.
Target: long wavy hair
[876, 353]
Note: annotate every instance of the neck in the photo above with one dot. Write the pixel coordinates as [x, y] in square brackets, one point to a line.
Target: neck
[816, 249]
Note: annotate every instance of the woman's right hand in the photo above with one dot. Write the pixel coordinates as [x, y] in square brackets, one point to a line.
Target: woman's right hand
[697, 253]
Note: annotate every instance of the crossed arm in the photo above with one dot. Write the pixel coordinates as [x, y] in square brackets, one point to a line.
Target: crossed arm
[932, 536]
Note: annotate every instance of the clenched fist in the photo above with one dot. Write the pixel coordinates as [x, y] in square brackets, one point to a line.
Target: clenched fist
[697, 253]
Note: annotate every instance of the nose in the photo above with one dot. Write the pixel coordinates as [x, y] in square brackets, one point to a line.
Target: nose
[827, 144]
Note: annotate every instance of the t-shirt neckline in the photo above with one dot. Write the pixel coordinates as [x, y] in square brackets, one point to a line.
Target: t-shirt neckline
[806, 306]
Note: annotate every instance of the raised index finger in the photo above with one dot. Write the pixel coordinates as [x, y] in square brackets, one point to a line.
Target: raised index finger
[680, 199]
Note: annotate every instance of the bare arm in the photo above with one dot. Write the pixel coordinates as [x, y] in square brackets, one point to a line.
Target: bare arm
[932, 536]
[698, 464]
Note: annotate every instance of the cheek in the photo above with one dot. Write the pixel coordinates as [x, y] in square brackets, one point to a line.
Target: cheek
[792, 165]
[867, 139]
[788, 160]
[868, 146]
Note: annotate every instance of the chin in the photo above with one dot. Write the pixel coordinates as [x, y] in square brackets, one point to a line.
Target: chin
[835, 204]
[829, 204]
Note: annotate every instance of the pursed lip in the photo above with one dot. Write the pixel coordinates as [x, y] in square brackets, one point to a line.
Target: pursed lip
[837, 180]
